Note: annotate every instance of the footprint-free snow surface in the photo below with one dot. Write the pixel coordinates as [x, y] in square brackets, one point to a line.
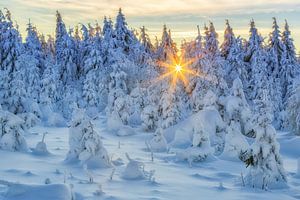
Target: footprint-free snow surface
[31, 176]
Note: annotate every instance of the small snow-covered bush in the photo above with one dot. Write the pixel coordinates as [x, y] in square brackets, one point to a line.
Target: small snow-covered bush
[41, 147]
[237, 109]
[12, 130]
[85, 143]
[158, 143]
[235, 142]
[149, 117]
[134, 169]
[200, 148]
[30, 120]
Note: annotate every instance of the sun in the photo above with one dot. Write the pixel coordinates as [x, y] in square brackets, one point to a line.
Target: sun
[178, 68]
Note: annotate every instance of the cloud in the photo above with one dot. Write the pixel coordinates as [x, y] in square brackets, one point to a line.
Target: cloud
[182, 16]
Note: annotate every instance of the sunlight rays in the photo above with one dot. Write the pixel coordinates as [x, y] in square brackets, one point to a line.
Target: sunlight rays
[177, 70]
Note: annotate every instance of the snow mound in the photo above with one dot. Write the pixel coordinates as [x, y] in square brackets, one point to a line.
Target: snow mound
[114, 123]
[125, 131]
[41, 149]
[37, 192]
[158, 143]
[134, 170]
[208, 121]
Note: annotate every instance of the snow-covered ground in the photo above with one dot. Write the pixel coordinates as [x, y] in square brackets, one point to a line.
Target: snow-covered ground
[214, 178]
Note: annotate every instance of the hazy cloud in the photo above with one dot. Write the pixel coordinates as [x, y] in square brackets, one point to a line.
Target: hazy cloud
[181, 15]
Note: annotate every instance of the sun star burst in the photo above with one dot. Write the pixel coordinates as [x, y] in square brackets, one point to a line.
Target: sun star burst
[178, 70]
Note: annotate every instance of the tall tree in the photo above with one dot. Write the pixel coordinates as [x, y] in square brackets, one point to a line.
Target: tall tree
[228, 41]
[290, 67]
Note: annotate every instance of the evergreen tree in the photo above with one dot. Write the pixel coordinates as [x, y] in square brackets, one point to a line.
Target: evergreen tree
[18, 99]
[290, 67]
[85, 144]
[145, 41]
[12, 132]
[167, 48]
[33, 47]
[49, 94]
[276, 50]
[124, 37]
[257, 57]
[236, 67]
[170, 108]
[117, 106]
[293, 110]
[266, 167]
[65, 53]
[228, 41]
[211, 41]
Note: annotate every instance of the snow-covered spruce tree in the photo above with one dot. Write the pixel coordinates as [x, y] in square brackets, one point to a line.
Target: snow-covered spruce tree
[85, 45]
[150, 113]
[11, 134]
[228, 40]
[18, 99]
[235, 66]
[49, 96]
[90, 92]
[239, 121]
[216, 132]
[253, 51]
[258, 64]
[10, 43]
[10, 47]
[65, 53]
[215, 63]
[238, 110]
[108, 56]
[293, 110]
[290, 67]
[265, 165]
[136, 103]
[170, 106]
[123, 36]
[136, 59]
[232, 51]
[211, 42]
[65, 60]
[49, 85]
[33, 47]
[117, 107]
[167, 48]
[275, 51]
[145, 41]
[85, 144]
[93, 67]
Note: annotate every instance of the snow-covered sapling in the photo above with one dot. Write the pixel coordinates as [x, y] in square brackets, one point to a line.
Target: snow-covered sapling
[134, 169]
[11, 134]
[41, 147]
[47, 181]
[85, 143]
[158, 143]
[266, 167]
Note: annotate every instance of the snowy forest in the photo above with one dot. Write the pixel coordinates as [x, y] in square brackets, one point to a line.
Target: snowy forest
[97, 105]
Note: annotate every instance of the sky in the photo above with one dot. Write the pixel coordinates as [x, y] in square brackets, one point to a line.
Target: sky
[181, 16]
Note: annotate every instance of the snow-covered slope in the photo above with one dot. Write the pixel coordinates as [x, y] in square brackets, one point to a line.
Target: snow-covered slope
[212, 179]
